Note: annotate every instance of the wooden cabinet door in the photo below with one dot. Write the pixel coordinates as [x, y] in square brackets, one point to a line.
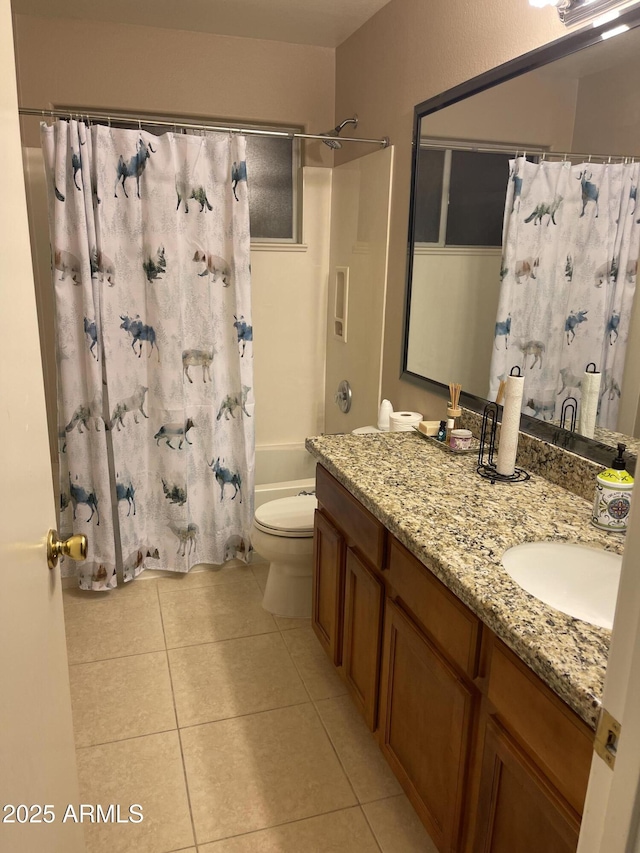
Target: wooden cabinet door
[328, 584]
[518, 810]
[363, 600]
[426, 723]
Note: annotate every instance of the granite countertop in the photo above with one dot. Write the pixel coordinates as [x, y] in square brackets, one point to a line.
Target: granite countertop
[435, 503]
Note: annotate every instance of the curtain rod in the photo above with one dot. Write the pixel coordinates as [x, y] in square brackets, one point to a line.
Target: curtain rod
[543, 153]
[126, 118]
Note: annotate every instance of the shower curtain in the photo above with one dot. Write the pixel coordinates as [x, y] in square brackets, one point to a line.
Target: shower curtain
[571, 237]
[151, 268]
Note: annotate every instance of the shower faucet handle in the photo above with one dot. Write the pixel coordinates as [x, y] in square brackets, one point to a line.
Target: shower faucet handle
[343, 396]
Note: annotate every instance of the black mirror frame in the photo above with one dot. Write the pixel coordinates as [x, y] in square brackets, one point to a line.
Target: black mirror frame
[564, 46]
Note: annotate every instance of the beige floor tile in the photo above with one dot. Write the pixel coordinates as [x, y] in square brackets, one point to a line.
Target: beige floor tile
[113, 624]
[148, 771]
[231, 572]
[121, 698]
[205, 615]
[141, 587]
[357, 749]
[285, 623]
[339, 832]
[218, 680]
[397, 827]
[319, 675]
[261, 573]
[262, 770]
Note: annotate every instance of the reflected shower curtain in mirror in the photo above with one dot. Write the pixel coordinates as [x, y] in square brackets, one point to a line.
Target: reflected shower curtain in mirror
[151, 269]
[571, 236]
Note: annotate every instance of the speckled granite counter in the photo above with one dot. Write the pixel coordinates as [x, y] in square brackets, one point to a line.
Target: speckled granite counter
[443, 512]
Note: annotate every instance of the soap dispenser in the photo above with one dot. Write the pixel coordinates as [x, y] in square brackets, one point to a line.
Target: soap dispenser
[613, 495]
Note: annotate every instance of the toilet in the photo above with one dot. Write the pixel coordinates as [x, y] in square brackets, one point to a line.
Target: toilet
[283, 534]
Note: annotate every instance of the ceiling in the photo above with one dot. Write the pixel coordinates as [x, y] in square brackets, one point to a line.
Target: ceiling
[325, 24]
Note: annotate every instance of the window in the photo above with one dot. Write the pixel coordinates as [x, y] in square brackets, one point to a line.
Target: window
[273, 167]
[460, 196]
[272, 179]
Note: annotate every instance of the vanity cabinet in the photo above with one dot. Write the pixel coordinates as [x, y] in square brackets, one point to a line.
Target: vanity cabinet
[427, 716]
[348, 590]
[328, 586]
[518, 809]
[535, 764]
[491, 759]
[363, 600]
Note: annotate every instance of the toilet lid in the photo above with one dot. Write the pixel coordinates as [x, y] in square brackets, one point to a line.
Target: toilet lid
[287, 516]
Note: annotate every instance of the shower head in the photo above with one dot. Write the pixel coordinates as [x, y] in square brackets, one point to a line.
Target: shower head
[334, 143]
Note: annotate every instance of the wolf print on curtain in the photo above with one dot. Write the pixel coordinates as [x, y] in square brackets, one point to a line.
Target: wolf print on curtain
[151, 266]
[571, 237]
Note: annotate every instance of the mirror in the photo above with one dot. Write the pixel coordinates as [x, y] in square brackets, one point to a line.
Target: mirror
[578, 95]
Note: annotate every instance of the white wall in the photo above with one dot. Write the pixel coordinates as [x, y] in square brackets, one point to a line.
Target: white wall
[360, 207]
[454, 301]
[289, 290]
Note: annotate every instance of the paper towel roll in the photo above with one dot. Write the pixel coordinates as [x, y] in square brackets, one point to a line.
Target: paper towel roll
[510, 426]
[404, 421]
[589, 403]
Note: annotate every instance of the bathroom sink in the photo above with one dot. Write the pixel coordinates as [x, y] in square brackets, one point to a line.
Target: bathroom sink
[579, 581]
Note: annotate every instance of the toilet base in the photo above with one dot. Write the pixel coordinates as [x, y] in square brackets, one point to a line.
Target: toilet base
[288, 591]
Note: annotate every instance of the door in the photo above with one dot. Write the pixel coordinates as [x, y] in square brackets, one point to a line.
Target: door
[363, 599]
[328, 584]
[37, 756]
[610, 821]
[426, 725]
[360, 205]
[518, 809]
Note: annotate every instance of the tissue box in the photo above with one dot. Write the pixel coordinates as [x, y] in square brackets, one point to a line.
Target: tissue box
[429, 427]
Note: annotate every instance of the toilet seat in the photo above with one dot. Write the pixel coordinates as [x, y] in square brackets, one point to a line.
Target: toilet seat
[291, 518]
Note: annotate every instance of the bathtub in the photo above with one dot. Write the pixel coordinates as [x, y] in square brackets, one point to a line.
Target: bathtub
[283, 470]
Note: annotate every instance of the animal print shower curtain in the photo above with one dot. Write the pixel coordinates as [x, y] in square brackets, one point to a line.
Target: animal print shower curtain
[570, 256]
[151, 269]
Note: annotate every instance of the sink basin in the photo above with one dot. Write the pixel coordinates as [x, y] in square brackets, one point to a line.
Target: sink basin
[579, 581]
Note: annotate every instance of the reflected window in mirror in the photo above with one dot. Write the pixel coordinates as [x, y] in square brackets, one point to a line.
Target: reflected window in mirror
[460, 197]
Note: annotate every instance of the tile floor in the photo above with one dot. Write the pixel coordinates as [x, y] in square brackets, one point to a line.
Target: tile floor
[229, 726]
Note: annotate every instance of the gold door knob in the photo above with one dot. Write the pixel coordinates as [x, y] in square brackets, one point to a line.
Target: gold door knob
[74, 547]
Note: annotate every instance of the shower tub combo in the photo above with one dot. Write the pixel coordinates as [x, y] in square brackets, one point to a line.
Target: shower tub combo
[283, 471]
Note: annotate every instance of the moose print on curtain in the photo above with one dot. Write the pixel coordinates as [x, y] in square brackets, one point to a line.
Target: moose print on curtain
[571, 239]
[151, 266]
